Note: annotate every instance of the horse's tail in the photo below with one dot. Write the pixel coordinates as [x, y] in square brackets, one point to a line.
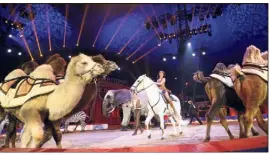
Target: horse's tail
[199, 77]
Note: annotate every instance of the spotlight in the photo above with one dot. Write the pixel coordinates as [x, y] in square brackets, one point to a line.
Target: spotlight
[50, 49]
[9, 50]
[193, 54]
[77, 44]
[93, 45]
[69, 56]
[6, 21]
[133, 62]
[41, 55]
[186, 83]
[20, 53]
[11, 24]
[64, 46]
[159, 44]
[174, 57]
[119, 69]
[175, 78]
[22, 28]
[189, 44]
[203, 53]
[164, 59]
[174, 35]
[10, 36]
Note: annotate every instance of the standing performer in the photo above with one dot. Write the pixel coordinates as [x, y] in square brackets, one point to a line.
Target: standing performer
[193, 112]
[137, 114]
[161, 84]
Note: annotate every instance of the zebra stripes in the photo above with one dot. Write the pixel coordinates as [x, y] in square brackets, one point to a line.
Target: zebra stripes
[3, 123]
[77, 117]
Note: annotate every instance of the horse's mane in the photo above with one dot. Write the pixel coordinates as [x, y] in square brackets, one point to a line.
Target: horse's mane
[253, 55]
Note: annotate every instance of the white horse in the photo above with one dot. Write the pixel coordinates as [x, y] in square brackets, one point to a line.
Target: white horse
[157, 106]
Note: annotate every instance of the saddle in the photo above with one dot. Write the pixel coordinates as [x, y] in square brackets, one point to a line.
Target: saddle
[26, 89]
[224, 78]
[256, 69]
[21, 89]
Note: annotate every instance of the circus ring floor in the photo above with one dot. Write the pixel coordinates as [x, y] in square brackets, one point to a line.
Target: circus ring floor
[123, 141]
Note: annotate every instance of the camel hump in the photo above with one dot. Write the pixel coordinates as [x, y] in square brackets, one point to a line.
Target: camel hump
[11, 79]
[254, 56]
[43, 72]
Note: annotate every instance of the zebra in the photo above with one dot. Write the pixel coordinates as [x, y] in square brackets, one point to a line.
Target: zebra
[3, 123]
[75, 118]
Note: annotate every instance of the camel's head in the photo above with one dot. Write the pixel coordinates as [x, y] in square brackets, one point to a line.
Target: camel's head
[83, 66]
[29, 66]
[197, 76]
[58, 64]
[108, 66]
[253, 55]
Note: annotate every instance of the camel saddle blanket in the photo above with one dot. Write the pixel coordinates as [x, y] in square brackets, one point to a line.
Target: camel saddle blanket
[25, 90]
[263, 73]
[224, 79]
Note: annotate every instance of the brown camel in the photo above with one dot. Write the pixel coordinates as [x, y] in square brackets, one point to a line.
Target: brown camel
[252, 88]
[220, 95]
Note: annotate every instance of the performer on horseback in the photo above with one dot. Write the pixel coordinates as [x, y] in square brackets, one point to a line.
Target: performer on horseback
[161, 85]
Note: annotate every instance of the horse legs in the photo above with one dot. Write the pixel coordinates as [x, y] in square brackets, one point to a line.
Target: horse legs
[173, 124]
[161, 117]
[147, 121]
[224, 123]
[262, 124]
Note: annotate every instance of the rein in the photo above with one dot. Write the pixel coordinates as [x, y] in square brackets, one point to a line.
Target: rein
[144, 88]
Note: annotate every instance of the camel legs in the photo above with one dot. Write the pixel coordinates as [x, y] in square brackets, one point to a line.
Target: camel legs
[57, 135]
[213, 111]
[262, 124]
[251, 110]
[224, 123]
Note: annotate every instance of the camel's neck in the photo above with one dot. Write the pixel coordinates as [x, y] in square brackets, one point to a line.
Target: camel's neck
[66, 96]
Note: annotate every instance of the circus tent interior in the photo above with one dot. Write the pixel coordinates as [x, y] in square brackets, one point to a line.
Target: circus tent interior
[142, 39]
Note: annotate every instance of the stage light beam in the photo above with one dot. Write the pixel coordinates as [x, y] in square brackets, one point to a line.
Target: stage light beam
[65, 30]
[149, 20]
[120, 25]
[146, 54]
[82, 25]
[100, 28]
[34, 29]
[137, 31]
[140, 47]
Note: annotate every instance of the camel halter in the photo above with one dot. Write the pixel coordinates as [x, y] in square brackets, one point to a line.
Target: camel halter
[89, 71]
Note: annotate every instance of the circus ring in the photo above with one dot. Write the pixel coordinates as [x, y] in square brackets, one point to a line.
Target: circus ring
[104, 135]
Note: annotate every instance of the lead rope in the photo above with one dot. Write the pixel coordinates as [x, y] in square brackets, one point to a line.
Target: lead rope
[94, 103]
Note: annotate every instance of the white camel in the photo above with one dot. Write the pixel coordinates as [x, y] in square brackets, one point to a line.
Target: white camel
[57, 104]
[157, 106]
